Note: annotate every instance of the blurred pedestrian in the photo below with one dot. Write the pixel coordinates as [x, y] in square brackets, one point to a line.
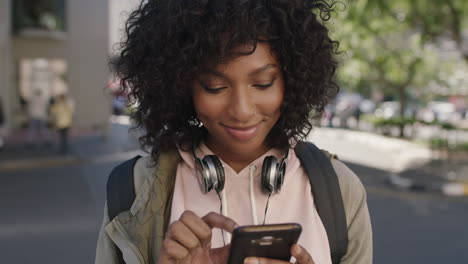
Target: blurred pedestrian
[225, 92]
[37, 105]
[357, 116]
[118, 105]
[2, 122]
[62, 118]
[330, 110]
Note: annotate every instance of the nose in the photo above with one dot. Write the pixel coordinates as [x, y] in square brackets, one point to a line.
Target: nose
[242, 106]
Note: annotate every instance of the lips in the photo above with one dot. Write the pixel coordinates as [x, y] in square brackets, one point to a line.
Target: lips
[242, 133]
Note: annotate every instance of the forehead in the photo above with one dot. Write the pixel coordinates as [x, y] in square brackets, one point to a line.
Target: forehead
[246, 58]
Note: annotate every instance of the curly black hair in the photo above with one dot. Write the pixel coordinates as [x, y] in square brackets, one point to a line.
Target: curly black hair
[168, 41]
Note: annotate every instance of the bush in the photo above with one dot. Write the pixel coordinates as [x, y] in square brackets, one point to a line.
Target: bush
[438, 143]
[463, 147]
[443, 144]
[443, 125]
[396, 122]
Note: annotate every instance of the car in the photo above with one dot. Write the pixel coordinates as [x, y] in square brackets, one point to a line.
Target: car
[391, 109]
[440, 111]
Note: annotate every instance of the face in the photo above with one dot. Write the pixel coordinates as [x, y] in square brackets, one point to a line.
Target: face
[239, 102]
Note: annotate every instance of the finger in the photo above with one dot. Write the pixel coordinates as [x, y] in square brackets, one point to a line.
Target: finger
[181, 233]
[257, 260]
[220, 221]
[173, 250]
[220, 255]
[301, 255]
[197, 226]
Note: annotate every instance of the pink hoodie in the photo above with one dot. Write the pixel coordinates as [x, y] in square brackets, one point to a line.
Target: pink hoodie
[293, 204]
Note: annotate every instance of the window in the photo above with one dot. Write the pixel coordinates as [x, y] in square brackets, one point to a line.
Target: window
[38, 15]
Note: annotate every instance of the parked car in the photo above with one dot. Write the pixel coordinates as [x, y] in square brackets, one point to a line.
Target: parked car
[367, 106]
[347, 104]
[440, 111]
[391, 109]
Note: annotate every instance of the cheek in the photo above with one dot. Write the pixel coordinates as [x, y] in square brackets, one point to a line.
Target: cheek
[207, 109]
[272, 103]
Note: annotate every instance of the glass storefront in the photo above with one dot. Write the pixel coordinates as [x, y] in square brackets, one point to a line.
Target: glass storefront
[39, 15]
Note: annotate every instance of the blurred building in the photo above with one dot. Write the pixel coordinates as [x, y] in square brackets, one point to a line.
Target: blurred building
[58, 46]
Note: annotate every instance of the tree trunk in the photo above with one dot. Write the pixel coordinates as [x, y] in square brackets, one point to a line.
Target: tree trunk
[456, 29]
[403, 99]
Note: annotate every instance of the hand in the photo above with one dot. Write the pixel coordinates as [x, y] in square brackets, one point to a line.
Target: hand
[298, 252]
[188, 240]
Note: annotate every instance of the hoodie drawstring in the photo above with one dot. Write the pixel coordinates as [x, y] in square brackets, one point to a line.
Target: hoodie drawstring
[253, 204]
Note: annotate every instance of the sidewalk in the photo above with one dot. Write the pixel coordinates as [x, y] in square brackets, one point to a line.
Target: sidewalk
[86, 145]
[411, 166]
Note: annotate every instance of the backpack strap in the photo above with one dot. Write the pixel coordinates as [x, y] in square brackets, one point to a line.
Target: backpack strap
[327, 197]
[121, 192]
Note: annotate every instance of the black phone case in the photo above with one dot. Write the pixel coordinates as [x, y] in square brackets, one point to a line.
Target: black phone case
[269, 241]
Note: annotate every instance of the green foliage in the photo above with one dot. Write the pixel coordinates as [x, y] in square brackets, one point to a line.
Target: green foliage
[443, 144]
[463, 147]
[447, 126]
[389, 46]
[379, 122]
[443, 125]
[439, 143]
[384, 125]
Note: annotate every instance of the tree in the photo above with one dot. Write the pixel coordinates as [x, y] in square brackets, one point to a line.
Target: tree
[435, 19]
[388, 45]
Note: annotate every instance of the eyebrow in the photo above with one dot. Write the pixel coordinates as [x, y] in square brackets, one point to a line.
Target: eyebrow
[254, 72]
[262, 69]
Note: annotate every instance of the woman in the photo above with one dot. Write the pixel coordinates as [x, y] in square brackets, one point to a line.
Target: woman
[226, 86]
[62, 115]
[2, 120]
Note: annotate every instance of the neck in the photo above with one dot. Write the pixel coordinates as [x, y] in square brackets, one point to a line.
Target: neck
[237, 160]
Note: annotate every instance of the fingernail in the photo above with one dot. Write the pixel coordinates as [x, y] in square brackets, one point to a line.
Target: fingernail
[251, 261]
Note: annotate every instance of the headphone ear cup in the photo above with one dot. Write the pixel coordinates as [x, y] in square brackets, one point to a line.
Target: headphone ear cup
[281, 172]
[203, 175]
[216, 172]
[269, 171]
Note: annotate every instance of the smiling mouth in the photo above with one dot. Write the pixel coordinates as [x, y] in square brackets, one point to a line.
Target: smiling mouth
[242, 133]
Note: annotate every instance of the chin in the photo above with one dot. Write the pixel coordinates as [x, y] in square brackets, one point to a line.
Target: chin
[248, 146]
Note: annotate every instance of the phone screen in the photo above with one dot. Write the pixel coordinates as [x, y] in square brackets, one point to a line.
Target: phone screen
[269, 241]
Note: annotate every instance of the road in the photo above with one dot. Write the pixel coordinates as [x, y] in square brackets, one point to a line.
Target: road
[413, 227]
[52, 215]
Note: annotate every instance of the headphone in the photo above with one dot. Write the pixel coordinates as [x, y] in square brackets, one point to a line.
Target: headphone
[210, 173]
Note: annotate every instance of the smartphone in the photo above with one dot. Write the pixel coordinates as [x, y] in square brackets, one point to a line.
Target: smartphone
[269, 241]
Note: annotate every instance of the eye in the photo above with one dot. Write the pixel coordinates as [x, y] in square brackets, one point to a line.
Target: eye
[263, 85]
[212, 89]
[266, 85]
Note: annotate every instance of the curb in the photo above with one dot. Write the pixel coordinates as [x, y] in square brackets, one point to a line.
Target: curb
[395, 155]
[38, 163]
[48, 162]
[445, 188]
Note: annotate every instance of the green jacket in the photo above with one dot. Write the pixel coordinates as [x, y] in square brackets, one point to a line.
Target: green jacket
[139, 233]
